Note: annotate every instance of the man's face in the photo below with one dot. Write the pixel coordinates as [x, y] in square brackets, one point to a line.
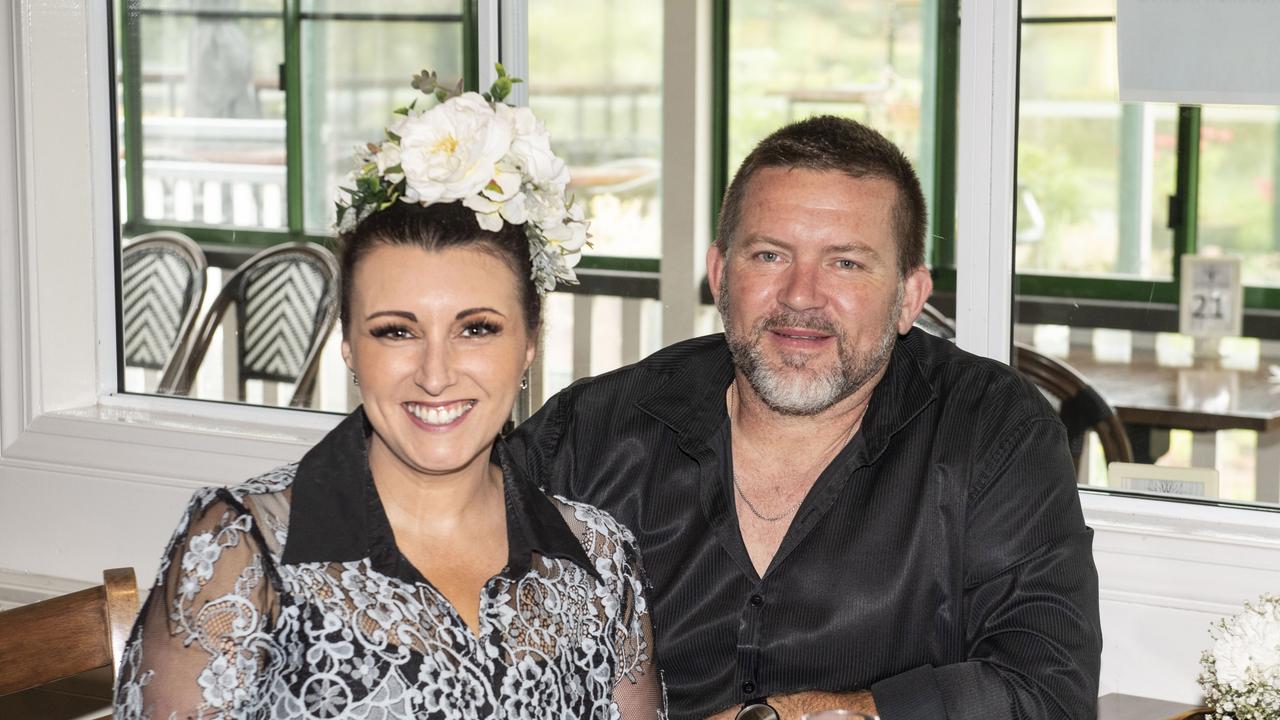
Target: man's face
[809, 289]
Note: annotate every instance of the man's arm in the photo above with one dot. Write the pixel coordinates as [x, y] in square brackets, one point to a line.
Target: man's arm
[1032, 636]
[796, 705]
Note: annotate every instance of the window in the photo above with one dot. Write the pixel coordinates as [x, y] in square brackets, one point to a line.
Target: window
[237, 120]
[1109, 197]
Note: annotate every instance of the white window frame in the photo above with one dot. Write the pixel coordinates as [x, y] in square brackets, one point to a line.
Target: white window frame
[59, 406]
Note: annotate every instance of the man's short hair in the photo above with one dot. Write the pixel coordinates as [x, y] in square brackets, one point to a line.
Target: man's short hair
[827, 142]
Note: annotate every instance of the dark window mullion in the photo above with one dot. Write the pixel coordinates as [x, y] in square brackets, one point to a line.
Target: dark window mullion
[131, 100]
[1184, 206]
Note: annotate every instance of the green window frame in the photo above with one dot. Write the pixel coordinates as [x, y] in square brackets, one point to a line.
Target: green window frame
[293, 17]
[1183, 221]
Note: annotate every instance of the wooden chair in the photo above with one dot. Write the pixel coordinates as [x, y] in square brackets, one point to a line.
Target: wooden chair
[162, 285]
[285, 301]
[1080, 406]
[67, 635]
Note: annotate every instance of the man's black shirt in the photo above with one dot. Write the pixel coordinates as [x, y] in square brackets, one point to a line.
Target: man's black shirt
[941, 560]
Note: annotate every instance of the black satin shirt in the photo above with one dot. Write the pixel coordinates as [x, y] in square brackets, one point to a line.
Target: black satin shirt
[940, 561]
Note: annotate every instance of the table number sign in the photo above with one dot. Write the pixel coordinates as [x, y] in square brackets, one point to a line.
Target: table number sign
[1162, 480]
[1211, 302]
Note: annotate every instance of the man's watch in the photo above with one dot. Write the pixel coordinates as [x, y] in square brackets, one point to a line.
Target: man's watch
[758, 709]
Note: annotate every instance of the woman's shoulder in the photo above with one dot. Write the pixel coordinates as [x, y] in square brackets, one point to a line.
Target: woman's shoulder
[262, 501]
[590, 522]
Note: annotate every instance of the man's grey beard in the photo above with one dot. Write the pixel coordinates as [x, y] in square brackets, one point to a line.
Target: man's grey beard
[793, 388]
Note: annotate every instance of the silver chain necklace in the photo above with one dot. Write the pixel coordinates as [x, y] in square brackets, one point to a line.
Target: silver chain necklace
[734, 476]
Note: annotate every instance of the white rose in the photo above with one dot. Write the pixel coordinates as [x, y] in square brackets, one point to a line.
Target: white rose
[1249, 649]
[531, 149]
[388, 156]
[450, 151]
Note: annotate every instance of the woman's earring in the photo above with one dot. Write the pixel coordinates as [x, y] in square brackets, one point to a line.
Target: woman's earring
[524, 383]
[354, 380]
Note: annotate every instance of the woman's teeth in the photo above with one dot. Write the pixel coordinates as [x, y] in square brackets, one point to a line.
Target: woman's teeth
[440, 415]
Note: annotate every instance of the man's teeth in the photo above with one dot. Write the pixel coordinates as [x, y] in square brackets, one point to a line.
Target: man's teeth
[440, 415]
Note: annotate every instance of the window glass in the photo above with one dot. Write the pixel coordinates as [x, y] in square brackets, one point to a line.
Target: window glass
[212, 113]
[1239, 169]
[790, 60]
[1068, 8]
[595, 74]
[1092, 172]
[349, 92]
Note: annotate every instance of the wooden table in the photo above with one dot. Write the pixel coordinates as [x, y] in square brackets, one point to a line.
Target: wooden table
[1204, 397]
[1131, 707]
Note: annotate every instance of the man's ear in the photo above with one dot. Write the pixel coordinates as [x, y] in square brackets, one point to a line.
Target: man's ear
[715, 266]
[916, 288]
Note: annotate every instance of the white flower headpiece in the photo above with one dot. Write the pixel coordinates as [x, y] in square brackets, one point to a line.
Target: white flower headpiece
[493, 157]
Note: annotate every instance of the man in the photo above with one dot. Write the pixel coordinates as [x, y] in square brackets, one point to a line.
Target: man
[836, 510]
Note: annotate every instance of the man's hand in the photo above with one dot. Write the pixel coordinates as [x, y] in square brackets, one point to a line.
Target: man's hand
[795, 705]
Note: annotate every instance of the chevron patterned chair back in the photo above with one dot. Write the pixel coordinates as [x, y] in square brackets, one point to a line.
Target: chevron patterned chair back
[285, 301]
[163, 282]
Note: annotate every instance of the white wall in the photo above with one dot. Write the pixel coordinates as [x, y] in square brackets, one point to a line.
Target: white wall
[89, 481]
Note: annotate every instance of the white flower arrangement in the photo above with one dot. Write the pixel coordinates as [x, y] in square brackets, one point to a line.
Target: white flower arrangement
[493, 157]
[1241, 672]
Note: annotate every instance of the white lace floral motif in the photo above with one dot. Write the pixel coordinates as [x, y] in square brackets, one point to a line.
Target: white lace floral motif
[230, 631]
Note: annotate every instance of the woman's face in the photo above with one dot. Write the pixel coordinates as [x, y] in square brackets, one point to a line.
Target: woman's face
[439, 344]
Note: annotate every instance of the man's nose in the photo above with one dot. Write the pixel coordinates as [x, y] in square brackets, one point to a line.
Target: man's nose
[436, 371]
[802, 287]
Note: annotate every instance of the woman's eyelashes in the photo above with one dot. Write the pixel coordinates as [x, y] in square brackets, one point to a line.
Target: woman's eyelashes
[392, 331]
[481, 328]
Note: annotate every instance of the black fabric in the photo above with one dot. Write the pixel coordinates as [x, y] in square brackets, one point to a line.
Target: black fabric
[946, 536]
[1080, 413]
[337, 516]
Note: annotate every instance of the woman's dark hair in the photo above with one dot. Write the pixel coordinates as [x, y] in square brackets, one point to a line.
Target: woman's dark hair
[439, 227]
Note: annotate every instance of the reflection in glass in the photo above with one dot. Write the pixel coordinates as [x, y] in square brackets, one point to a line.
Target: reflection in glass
[595, 74]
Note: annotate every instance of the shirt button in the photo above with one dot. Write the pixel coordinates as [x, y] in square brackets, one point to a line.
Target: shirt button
[757, 601]
[748, 687]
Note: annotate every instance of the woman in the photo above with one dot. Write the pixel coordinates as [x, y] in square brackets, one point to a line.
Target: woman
[404, 568]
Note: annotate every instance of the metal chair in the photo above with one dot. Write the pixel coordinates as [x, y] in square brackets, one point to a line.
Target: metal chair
[1080, 406]
[67, 635]
[162, 286]
[934, 322]
[285, 301]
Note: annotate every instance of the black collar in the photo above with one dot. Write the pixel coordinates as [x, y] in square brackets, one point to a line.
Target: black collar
[691, 400]
[336, 515]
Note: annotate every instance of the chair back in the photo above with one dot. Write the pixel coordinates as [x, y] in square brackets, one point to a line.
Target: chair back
[285, 300]
[934, 322]
[1080, 406]
[162, 286]
[67, 635]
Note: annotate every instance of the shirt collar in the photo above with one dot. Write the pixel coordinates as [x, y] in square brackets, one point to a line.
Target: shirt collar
[336, 515]
[691, 399]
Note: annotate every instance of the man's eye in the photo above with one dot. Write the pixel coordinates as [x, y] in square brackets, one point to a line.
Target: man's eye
[846, 264]
[768, 256]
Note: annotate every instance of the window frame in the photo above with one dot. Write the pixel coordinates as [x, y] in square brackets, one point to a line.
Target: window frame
[292, 17]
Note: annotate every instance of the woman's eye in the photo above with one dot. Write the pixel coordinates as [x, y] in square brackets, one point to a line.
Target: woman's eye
[393, 332]
[480, 329]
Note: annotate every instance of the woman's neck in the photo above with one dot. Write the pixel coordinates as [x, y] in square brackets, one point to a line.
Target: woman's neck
[419, 502]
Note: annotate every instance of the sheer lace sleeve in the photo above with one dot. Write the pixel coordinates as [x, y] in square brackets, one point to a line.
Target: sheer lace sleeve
[637, 682]
[201, 644]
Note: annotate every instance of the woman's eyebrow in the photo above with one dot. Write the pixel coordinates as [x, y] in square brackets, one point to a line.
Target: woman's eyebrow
[474, 310]
[394, 313]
